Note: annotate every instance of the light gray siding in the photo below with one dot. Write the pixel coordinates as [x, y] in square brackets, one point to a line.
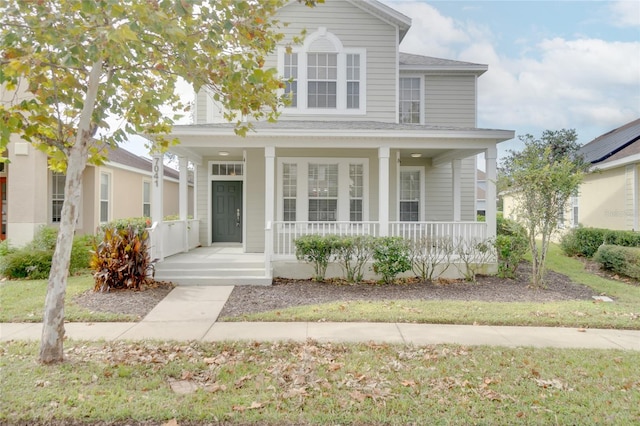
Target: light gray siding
[450, 100]
[255, 195]
[356, 29]
[439, 191]
[200, 114]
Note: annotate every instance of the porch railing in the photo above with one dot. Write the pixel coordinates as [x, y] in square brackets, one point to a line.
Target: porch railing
[177, 236]
[285, 233]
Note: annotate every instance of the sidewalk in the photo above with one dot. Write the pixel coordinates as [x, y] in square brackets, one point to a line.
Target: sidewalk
[190, 313]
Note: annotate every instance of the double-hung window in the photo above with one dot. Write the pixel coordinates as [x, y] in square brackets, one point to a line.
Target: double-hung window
[356, 192]
[105, 196]
[57, 196]
[322, 80]
[410, 100]
[410, 192]
[323, 192]
[353, 81]
[291, 77]
[146, 199]
[289, 191]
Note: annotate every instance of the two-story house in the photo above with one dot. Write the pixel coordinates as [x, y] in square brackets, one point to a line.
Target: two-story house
[375, 141]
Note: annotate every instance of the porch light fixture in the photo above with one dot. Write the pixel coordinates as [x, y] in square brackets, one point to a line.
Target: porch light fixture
[223, 153]
[416, 155]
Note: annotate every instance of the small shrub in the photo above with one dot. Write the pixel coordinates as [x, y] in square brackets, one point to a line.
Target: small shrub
[622, 260]
[317, 250]
[121, 260]
[24, 263]
[44, 239]
[428, 253]
[585, 241]
[139, 224]
[392, 256]
[5, 248]
[81, 253]
[352, 254]
[511, 245]
[472, 256]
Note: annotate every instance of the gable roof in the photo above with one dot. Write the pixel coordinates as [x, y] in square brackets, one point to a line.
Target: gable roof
[411, 62]
[604, 147]
[385, 13]
[126, 158]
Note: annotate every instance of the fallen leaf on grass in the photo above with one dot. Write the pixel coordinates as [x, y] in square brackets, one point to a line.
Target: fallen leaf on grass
[254, 406]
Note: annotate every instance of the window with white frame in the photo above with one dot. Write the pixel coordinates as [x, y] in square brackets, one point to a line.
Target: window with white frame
[410, 100]
[322, 189]
[291, 77]
[410, 195]
[146, 199]
[574, 211]
[356, 192]
[289, 191]
[57, 195]
[323, 192]
[105, 196]
[323, 77]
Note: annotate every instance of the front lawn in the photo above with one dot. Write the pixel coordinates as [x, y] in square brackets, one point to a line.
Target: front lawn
[313, 383]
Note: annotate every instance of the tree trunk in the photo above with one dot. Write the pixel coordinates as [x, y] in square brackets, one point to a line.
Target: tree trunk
[53, 322]
[51, 350]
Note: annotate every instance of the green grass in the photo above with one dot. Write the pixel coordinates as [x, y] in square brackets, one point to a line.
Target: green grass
[23, 301]
[624, 313]
[313, 383]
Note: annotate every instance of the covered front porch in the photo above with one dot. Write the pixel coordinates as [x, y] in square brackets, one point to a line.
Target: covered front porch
[264, 191]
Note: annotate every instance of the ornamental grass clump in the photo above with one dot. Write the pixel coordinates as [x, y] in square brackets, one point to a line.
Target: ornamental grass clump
[121, 260]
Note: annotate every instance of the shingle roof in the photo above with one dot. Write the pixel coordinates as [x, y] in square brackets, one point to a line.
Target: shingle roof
[605, 146]
[411, 59]
[122, 156]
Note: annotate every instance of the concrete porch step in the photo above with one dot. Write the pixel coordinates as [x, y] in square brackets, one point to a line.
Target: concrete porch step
[211, 272]
[217, 281]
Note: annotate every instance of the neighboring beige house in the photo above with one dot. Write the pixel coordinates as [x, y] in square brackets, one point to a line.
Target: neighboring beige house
[610, 195]
[32, 195]
[376, 141]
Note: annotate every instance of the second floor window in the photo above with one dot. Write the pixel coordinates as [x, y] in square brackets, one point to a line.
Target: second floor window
[322, 80]
[410, 100]
[291, 77]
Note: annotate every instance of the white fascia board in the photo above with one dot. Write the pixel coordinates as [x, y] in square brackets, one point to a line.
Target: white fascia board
[617, 163]
[182, 151]
[112, 165]
[384, 13]
[435, 69]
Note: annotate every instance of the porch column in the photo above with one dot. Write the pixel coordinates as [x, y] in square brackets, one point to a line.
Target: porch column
[157, 200]
[383, 190]
[456, 168]
[269, 203]
[183, 199]
[490, 156]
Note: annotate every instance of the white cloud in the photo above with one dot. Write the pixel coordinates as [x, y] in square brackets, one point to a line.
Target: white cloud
[625, 13]
[585, 83]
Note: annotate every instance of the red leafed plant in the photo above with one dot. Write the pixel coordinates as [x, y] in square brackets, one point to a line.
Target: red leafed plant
[121, 260]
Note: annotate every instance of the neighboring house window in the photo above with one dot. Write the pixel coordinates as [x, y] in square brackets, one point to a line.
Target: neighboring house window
[105, 189]
[410, 100]
[323, 192]
[410, 195]
[289, 191]
[324, 77]
[353, 81]
[291, 77]
[57, 196]
[356, 192]
[146, 199]
[574, 211]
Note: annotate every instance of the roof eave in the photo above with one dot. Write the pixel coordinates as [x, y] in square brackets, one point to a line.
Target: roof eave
[473, 69]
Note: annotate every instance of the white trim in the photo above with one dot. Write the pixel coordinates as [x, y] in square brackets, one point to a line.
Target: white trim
[302, 192]
[215, 178]
[341, 82]
[422, 205]
[112, 165]
[109, 200]
[616, 163]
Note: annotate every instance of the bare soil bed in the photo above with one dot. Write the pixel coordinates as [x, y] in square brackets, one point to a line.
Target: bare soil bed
[286, 293]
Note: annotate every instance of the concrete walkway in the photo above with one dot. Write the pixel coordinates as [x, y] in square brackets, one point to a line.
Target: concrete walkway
[190, 313]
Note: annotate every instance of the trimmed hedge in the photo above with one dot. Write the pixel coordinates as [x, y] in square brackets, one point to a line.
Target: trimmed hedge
[622, 260]
[585, 241]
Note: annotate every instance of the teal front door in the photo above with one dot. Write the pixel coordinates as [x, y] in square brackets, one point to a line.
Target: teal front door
[226, 209]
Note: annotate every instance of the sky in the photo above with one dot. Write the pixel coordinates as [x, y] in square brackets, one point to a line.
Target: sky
[552, 64]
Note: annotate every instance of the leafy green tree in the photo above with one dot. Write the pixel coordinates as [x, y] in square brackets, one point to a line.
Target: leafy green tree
[70, 64]
[542, 178]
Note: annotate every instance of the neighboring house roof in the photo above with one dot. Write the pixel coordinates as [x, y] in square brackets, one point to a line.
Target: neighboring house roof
[122, 156]
[605, 147]
[410, 62]
[481, 193]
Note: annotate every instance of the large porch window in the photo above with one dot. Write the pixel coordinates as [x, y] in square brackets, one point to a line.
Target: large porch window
[410, 194]
[322, 190]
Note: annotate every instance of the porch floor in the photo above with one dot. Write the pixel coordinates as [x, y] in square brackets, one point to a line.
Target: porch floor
[219, 264]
